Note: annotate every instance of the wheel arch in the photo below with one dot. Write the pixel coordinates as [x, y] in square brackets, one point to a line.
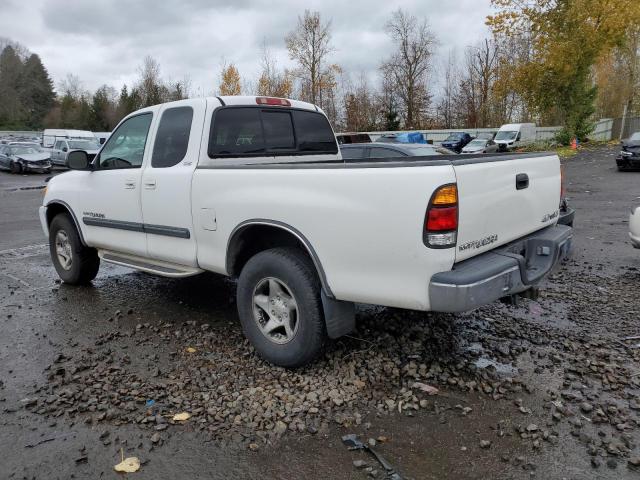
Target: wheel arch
[55, 207]
[253, 236]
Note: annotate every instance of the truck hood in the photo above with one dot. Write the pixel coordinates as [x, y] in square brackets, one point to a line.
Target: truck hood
[472, 149]
[34, 157]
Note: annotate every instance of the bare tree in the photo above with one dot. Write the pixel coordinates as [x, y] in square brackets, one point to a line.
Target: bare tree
[445, 109]
[409, 65]
[272, 81]
[309, 45]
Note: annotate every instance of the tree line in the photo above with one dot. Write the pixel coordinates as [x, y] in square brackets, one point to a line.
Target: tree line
[561, 62]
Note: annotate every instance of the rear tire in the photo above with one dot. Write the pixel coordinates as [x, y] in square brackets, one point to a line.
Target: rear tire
[75, 263]
[280, 307]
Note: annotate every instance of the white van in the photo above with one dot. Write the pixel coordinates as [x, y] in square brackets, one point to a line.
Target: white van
[514, 135]
[50, 135]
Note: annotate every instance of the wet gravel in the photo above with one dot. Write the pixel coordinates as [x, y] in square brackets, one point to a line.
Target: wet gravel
[561, 370]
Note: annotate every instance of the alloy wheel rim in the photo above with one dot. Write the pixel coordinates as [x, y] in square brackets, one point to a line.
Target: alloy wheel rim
[275, 310]
[63, 250]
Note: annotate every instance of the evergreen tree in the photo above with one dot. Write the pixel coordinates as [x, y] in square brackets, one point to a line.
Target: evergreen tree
[12, 112]
[36, 92]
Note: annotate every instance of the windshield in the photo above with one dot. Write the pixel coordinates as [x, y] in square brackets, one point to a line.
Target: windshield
[27, 150]
[635, 136]
[453, 137]
[84, 144]
[506, 135]
[477, 143]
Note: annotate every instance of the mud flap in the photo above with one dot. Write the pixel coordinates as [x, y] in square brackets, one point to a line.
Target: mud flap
[339, 316]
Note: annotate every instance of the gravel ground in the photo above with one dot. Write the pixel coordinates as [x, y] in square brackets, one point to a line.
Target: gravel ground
[543, 388]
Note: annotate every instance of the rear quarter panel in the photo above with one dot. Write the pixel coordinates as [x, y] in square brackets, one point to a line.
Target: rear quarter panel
[365, 224]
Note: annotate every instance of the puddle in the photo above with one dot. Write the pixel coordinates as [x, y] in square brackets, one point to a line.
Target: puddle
[503, 369]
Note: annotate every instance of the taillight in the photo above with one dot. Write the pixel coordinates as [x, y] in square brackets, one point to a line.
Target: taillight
[562, 190]
[280, 102]
[441, 220]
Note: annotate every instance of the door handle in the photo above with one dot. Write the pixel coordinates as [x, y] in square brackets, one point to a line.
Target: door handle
[129, 184]
[522, 181]
[150, 184]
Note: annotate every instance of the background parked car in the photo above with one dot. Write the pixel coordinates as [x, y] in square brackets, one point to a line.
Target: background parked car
[24, 157]
[629, 153]
[346, 138]
[480, 145]
[62, 148]
[50, 135]
[456, 141]
[405, 137]
[391, 150]
[514, 135]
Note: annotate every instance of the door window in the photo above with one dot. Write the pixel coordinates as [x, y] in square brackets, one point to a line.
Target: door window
[58, 145]
[172, 138]
[125, 148]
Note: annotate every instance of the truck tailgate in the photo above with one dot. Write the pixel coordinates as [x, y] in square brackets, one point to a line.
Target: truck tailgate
[503, 198]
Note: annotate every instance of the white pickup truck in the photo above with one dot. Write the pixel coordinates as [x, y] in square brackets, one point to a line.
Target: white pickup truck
[255, 188]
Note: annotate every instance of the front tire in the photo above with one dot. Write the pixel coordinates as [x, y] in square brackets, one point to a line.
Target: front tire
[280, 307]
[75, 263]
[15, 167]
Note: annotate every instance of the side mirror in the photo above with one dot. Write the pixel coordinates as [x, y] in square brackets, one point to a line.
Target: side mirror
[64, 149]
[78, 160]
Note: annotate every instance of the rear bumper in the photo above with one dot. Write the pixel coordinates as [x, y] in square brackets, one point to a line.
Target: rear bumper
[567, 215]
[634, 227]
[507, 270]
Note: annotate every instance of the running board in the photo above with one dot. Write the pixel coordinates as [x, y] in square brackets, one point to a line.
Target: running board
[157, 267]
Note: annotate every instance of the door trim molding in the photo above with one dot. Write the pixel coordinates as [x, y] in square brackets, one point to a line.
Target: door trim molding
[164, 230]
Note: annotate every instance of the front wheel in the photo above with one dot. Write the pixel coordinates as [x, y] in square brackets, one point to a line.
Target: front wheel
[280, 308]
[75, 263]
[15, 167]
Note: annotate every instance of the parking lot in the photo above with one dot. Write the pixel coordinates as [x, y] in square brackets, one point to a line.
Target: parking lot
[546, 388]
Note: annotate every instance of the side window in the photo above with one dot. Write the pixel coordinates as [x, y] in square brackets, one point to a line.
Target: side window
[172, 138]
[278, 130]
[236, 131]
[352, 153]
[314, 133]
[125, 148]
[58, 145]
[385, 153]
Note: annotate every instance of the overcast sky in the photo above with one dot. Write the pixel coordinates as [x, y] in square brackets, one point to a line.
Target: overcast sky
[105, 41]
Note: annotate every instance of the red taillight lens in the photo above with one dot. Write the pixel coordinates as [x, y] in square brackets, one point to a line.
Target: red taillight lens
[281, 102]
[562, 190]
[442, 219]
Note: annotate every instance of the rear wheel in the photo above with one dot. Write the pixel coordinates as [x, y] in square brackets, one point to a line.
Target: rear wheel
[15, 167]
[75, 263]
[280, 308]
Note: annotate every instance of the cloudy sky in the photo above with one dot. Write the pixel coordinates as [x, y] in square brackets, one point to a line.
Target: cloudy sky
[104, 41]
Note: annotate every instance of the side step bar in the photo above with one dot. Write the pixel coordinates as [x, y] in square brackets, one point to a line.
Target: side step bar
[157, 267]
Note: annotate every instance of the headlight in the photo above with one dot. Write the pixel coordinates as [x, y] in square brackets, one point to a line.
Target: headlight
[624, 153]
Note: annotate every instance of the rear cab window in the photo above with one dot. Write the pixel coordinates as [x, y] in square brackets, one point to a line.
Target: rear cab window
[247, 131]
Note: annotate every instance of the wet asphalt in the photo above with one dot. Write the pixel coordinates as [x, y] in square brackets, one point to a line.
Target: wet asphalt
[40, 319]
